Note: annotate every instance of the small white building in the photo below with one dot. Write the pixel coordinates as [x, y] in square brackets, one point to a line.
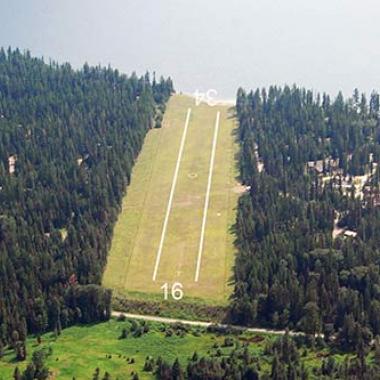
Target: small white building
[12, 163]
[349, 233]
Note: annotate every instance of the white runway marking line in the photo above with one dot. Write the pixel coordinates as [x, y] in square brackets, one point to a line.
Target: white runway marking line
[212, 159]
[165, 225]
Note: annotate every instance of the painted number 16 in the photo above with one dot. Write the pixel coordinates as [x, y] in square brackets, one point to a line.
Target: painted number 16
[175, 291]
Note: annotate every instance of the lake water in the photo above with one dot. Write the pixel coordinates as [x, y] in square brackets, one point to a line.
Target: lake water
[326, 45]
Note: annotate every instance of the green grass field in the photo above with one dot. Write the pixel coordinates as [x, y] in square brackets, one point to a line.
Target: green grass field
[79, 350]
[138, 231]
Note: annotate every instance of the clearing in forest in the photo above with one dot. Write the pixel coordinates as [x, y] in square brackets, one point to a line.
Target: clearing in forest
[177, 217]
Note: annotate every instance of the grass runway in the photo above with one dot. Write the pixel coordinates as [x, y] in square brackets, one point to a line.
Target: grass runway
[138, 232]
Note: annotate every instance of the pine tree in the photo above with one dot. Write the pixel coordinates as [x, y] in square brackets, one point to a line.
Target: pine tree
[17, 374]
[177, 372]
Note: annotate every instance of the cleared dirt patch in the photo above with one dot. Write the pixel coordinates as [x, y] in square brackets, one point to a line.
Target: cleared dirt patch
[240, 189]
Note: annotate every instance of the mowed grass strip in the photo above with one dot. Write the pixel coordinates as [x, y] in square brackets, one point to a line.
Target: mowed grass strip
[138, 230]
[218, 250]
[144, 206]
[178, 262]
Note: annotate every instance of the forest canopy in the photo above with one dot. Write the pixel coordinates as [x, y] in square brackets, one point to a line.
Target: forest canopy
[308, 226]
[68, 142]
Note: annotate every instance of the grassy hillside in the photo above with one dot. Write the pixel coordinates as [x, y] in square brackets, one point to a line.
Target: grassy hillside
[138, 231]
[81, 349]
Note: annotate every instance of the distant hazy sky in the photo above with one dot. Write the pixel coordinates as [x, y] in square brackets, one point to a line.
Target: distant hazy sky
[326, 45]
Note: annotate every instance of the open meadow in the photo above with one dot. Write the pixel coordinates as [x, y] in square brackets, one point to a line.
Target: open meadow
[79, 350]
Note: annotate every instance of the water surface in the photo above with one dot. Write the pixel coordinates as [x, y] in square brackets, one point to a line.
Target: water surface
[326, 45]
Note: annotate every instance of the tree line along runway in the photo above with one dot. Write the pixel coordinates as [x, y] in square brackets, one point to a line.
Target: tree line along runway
[177, 217]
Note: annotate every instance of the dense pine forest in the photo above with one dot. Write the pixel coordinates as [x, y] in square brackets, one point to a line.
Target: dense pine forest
[68, 141]
[308, 228]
